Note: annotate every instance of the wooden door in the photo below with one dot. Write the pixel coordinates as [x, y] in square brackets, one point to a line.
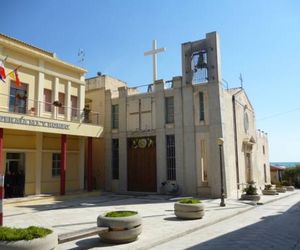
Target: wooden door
[141, 164]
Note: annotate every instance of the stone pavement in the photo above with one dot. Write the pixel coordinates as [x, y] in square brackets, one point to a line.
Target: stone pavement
[159, 223]
[273, 226]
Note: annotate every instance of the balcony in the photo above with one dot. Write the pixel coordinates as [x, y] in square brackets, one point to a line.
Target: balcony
[20, 112]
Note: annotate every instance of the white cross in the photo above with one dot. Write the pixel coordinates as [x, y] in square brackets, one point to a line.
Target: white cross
[153, 52]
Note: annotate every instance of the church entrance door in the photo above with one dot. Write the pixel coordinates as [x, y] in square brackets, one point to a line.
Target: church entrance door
[141, 164]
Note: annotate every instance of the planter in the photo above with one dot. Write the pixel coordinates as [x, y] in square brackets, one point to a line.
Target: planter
[289, 188]
[121, 229]
[46, 243]
[250, 197]
[270, 192]
[281, 189]
[189, 211]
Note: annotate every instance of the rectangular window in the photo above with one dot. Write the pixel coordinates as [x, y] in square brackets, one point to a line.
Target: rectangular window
[47, 100]
[115, 159]
[265, 172]
[201, 106]
[115, 116]
[56, 164]
[264, 150]
[74, 106]
[61, 99]
[18, 98]
[171, 160]
[169, 102]
[203, 160]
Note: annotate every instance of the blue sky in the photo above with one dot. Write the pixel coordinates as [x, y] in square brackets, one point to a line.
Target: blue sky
[260, 39]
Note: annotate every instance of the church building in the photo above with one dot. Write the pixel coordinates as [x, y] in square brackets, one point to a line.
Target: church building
[187, 135]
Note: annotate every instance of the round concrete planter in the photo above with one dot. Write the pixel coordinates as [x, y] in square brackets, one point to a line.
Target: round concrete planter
[46, 243]
[270, 192]
[289, 188]
[250, 197]
[281, 189]
[121, 229]
[189, 211]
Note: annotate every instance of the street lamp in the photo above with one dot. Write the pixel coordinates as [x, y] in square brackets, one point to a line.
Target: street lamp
[220, 142]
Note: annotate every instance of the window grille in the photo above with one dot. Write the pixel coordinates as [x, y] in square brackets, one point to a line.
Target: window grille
[56, 164]
[115, 159]
[201, 106]
[171, 159]
[115, 116]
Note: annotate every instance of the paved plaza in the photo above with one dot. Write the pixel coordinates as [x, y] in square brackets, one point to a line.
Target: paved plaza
[235, 225]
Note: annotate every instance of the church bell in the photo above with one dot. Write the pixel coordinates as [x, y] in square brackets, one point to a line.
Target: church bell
[202, 60]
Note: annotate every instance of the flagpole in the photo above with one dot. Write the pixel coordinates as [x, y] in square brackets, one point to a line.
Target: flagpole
[14, 69]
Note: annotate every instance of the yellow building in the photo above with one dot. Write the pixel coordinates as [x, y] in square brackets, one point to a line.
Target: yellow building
[44, 125]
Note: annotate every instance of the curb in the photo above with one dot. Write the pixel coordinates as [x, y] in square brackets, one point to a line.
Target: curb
[178, 235]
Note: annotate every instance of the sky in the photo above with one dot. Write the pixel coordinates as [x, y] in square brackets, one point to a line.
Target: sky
[259, 39]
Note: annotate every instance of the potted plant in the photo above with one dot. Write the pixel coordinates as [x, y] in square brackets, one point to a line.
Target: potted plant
[280, 188]
[269, 190]
[189, 208]
[250, 192]
[286, 184]
[124, 226]
[31, 238]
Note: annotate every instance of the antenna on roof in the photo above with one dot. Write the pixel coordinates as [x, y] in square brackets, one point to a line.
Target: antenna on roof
[241, 80]
[81, 56]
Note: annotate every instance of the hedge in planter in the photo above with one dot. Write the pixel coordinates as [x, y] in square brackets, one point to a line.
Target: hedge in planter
[269, 190]
[250, 192]
[31, 238]
[189, 208]
[124, 226]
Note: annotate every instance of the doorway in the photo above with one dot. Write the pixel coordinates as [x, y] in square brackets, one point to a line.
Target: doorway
[141, 164]
[14, 182]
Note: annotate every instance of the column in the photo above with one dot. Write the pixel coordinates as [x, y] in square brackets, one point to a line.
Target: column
[81, 162]
[80, 102]
[55, 97]
[178, 119]
[160, 132]
[63, 164]
[1, 177]
[122, 139]
[68, 109]
[1, 152]
[38, 162]
[189, 150]
[108, 138]
[39, 103]
[90, 164]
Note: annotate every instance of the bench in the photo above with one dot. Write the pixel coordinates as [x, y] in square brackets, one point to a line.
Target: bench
[82, 233]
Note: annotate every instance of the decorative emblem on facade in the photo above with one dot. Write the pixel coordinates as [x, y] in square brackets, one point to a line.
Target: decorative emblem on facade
[141, 142]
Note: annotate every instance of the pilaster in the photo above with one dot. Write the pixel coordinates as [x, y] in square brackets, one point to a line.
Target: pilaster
[160, 132]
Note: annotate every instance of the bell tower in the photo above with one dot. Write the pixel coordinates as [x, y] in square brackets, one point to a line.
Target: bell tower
[201, 62]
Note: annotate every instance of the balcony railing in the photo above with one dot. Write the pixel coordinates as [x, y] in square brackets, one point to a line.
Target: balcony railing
[21, 104]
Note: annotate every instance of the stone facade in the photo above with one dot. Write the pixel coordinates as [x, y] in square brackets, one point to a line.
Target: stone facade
[202, 111]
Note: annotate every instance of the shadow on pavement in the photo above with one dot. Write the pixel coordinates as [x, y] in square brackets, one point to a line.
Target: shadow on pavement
[273, 232]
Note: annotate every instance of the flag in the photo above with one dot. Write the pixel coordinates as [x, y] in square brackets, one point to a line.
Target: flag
[14, 75]
[2, 71]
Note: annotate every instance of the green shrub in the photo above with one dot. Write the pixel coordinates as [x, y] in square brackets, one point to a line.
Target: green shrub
[190, 201]
[120, 214]
[268, 187]
[29, 233]
[250, 189]
[285, 183]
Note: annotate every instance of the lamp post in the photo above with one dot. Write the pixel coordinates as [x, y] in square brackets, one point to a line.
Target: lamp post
[220, 142]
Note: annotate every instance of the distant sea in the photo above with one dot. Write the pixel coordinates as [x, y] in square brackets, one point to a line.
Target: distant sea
[286, 164]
